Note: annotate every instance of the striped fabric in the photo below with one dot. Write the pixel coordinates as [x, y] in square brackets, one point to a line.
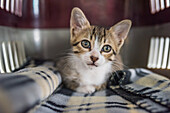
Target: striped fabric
[145, 89]
[36, 90]
[106, 101]
[129, 91]
[21, 90]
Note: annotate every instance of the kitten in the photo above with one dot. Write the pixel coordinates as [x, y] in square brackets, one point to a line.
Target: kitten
[94, 53]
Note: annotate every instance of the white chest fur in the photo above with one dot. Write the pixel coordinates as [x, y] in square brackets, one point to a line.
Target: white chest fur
[94, 75]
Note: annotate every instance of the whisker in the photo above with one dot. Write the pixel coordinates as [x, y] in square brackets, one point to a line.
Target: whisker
[117, 66]
[121, 64]
[63, 53]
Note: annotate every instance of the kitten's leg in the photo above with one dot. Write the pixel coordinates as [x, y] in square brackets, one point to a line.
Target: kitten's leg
[73, 85]
[86, 89]
[101, 87]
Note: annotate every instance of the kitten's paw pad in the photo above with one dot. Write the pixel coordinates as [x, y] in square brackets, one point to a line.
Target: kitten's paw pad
[86, 89]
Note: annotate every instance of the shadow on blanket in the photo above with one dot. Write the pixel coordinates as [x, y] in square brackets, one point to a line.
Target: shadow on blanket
[36, 90]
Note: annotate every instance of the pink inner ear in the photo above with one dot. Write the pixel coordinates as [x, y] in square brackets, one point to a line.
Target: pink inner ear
[120, 34]
[76, 26]
[80, 23]
[122, 31]
[78, 19]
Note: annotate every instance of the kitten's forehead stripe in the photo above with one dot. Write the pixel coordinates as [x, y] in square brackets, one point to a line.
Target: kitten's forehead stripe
[104, 32]
[98, 32]
[93, 30]
[104, 40]
[92, 33]
[104, 35]
[91, 37]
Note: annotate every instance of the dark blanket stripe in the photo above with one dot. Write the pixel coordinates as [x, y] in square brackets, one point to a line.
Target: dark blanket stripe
[49, 78]
[95, 108]
[51, 103]
[45, 78]
[85, 109]
[55, 105]
[54, 109]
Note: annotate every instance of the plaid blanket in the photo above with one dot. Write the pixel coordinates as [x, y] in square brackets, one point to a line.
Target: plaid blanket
[37, 90]
[22, 90]
[129, 91]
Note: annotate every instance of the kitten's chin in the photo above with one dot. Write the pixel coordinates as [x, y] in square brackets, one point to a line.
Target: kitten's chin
[92, 65]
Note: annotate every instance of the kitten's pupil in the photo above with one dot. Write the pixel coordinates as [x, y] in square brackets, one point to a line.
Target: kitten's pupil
[85, 43]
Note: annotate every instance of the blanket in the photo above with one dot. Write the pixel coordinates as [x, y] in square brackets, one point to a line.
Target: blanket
[129, 91]
[38, 90]
[22, 90]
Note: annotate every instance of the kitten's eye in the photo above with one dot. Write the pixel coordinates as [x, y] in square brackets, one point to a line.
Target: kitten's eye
[106, 48]
[85, 43]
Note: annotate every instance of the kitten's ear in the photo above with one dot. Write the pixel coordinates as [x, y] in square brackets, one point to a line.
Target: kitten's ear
[78, 21]
[120, 31]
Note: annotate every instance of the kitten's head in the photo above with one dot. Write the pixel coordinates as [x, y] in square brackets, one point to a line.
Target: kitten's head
[96, 46]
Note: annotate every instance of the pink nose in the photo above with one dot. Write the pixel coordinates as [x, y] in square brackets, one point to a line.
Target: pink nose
[94, 59]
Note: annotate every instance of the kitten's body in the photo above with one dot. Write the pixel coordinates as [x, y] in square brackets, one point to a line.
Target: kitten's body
[94, 54]
[75, 73]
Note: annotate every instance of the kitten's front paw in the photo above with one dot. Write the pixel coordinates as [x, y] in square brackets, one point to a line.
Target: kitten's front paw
[86, 89]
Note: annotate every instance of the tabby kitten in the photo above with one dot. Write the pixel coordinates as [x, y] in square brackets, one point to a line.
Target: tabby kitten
[94, 53]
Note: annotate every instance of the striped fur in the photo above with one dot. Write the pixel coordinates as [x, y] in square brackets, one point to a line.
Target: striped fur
[92, 34]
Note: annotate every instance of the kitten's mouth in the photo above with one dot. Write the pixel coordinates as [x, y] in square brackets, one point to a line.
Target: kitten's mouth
[92, 65]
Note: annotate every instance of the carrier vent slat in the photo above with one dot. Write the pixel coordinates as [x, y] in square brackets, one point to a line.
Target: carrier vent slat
[151, 52]
[12, 6]
[166, 49]
[12, 56]
[158, 5]
[159, 53]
